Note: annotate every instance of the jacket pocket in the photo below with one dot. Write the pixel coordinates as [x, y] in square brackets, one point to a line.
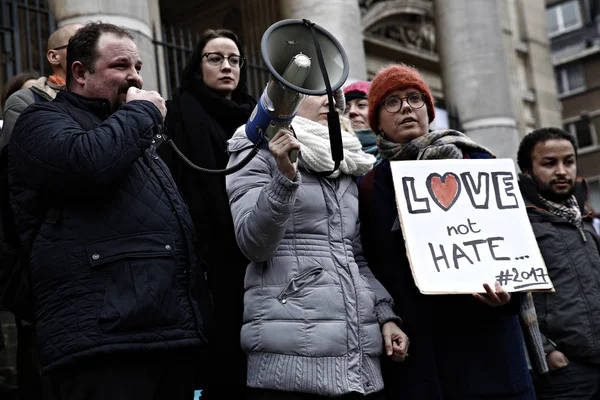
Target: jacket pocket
[300, 281]
[139, 273]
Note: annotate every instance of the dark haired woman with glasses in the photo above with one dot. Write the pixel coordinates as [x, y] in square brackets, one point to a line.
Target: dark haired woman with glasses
[205, 111]
[462, 347]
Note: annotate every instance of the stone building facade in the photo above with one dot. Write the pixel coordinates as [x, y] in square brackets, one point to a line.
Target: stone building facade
[574, 32]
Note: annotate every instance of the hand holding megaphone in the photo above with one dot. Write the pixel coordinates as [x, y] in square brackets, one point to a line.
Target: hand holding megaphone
[281, 145]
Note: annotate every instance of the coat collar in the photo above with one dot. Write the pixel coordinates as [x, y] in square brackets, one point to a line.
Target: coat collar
[99, 107]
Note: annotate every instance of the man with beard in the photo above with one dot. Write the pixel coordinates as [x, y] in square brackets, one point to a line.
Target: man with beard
[569, 318]
[121, 303]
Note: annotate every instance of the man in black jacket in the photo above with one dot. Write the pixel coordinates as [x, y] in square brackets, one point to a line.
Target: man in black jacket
[120, 298]
[569, 318]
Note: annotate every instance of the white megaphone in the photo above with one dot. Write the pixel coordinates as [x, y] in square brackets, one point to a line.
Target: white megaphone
[304, 59]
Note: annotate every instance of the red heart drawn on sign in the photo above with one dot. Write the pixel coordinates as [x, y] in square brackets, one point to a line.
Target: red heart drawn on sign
[444, 190]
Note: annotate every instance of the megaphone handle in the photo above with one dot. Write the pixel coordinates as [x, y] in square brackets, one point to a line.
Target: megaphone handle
[293, 154]
[272, 130]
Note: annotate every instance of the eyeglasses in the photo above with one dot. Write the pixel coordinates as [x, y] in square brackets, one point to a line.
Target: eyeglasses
[216, 59]
[393, 104]
[61, 47]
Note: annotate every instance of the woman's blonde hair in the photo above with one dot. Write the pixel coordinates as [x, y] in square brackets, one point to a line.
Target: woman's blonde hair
[346, 125]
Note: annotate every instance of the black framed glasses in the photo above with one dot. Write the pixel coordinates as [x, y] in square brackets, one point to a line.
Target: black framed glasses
[216, 59]
[61, 47]
[393, 103]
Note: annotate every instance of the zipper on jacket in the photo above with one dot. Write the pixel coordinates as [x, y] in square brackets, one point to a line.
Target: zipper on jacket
[188, 272]
[358, 305]
[300, 282]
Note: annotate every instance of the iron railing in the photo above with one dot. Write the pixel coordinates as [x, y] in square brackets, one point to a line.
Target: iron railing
[24, 29]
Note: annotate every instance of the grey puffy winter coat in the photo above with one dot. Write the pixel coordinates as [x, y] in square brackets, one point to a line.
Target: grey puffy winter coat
[312, 307]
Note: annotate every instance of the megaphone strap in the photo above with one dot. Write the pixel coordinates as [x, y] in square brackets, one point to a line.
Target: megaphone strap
[335, 134]
[321, 60]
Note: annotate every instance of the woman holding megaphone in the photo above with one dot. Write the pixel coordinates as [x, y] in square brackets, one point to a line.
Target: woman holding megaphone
[205, 111]
[315, 318]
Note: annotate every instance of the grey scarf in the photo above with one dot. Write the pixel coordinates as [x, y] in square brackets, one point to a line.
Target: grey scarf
[442, 144]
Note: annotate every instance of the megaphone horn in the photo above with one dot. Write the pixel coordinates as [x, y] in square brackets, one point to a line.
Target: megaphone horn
[289, 52]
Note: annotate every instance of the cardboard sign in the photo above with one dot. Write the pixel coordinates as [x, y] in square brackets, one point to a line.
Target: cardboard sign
[465, 224]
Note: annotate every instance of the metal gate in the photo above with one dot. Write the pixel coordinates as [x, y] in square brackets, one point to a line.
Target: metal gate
[25, 26]
[174, 46]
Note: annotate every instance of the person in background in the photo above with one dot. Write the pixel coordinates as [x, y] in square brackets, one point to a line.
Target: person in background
[357, 110]
[211, 103]
[20, 81]
[595, 217]
[17, 82]
[45, 88]
[462, 347]
[315, 319]
[569, 317]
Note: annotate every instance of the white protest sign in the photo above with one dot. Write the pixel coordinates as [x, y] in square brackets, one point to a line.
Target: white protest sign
[465, 224]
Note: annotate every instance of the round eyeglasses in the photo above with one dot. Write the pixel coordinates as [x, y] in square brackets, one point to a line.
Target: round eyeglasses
[216, 59]
[393, 103]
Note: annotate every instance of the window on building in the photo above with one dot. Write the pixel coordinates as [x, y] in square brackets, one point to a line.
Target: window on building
[583, 132]
[570, 79]
[563, 17]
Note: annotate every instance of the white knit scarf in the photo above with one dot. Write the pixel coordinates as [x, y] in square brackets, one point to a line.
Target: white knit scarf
[315, 149]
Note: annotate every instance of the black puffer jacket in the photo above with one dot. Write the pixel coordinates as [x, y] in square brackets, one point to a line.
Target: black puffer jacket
[570, 317]
[113, 266]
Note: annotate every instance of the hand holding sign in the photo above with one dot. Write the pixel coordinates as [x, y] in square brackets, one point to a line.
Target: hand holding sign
[493, 298]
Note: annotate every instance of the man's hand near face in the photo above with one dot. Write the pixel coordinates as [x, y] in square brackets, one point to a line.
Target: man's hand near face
[154, 97]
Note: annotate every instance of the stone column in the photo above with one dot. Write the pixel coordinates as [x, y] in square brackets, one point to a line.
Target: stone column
[131, 14]
[342, 19]
[476, 83]
[540, 57]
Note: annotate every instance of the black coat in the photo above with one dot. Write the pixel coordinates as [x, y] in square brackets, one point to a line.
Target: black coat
[113, 267]
[200, 122]
[569, 317]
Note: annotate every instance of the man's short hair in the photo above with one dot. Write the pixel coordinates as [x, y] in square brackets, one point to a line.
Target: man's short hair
[83, 45]
[537, 136]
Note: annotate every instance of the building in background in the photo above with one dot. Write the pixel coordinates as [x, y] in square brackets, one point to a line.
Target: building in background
[488, 63]
[489, 68]
[574, 32]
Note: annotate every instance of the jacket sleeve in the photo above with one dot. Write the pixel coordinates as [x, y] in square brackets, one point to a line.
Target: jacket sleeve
[261, 200]
[383, 300]
[55, 155]
[14, 106]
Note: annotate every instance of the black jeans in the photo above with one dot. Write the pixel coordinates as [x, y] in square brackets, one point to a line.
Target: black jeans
[576, 381]
[165, 375]
[264, 394]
